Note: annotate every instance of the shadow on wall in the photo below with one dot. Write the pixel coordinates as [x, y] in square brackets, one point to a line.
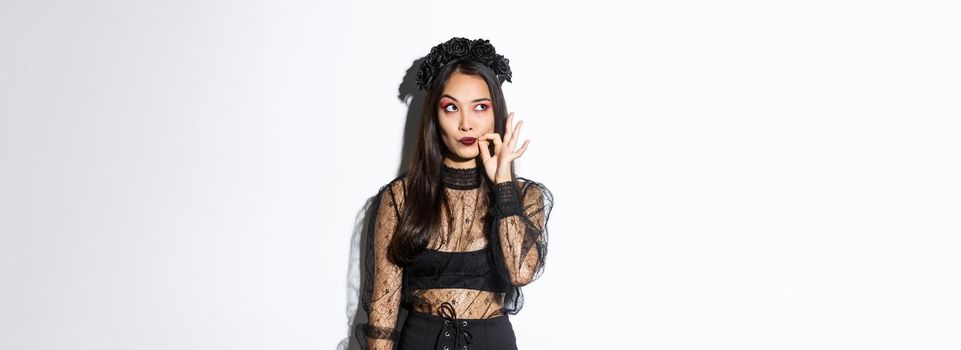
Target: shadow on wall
[408, 94]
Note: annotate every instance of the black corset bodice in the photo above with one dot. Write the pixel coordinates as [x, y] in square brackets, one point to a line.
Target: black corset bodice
[439, 269]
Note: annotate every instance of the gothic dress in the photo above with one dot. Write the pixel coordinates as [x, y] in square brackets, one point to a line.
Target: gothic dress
[460, 291]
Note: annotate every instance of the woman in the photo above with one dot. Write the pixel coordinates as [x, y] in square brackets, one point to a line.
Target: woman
[454, 237]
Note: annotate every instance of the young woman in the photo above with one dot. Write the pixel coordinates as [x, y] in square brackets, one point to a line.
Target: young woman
[453, 238]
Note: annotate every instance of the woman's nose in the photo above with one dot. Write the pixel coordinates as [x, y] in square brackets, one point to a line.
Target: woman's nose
[465, 124]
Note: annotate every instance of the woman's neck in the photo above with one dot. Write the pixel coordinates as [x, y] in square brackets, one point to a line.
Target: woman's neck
[463, 164]
[460, 176]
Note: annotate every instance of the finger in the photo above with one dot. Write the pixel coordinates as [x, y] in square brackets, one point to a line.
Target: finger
[495, 138]
[516, 135]
[520, 152]
[485, 153]
[490, 137]
[483, 142]
[497, 143]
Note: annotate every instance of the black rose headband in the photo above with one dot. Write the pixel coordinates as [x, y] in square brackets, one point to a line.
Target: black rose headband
[479, 50]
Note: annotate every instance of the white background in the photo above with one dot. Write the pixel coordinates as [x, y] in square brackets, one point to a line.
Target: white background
[728, 174]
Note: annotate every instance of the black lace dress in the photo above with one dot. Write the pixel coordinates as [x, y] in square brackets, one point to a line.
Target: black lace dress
[473, 268]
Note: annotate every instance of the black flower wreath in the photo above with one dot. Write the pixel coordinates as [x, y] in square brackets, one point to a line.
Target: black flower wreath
[479, 50]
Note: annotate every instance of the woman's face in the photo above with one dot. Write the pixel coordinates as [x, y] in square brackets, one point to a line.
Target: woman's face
[465, 111]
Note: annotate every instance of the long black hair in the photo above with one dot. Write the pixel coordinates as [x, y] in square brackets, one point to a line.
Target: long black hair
[424, 195]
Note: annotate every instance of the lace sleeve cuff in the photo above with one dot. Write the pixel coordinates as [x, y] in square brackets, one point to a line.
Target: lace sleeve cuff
[507, 200]
[375, 332]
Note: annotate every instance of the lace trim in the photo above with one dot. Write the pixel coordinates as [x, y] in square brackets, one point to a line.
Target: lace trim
[460, 179]
[507, 200]
[376, 332]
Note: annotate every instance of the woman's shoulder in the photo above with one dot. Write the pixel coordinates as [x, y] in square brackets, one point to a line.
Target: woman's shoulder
[395, 186]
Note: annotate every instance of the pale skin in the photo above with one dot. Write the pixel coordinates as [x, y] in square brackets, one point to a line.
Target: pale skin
[466, 110]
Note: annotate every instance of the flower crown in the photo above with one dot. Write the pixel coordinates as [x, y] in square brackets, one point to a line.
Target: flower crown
[479, 50]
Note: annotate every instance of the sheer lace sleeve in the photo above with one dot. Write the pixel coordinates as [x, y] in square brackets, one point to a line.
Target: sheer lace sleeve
[521, 209]
[382, 293]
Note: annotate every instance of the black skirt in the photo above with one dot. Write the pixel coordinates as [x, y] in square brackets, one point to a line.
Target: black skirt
[422, 331]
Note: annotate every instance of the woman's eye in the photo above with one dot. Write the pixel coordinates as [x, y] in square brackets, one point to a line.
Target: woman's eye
[450, 108]
[483, 108]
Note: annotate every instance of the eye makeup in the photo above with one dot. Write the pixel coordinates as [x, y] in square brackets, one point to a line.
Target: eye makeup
[446, 105]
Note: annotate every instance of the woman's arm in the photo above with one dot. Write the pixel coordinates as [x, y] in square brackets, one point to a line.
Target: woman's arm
[386, 294]
[521, 210]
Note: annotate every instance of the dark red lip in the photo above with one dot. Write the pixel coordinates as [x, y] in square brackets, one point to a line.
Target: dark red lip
[468, 140]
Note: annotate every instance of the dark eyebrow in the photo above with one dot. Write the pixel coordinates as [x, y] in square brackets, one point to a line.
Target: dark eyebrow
[477, 100]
